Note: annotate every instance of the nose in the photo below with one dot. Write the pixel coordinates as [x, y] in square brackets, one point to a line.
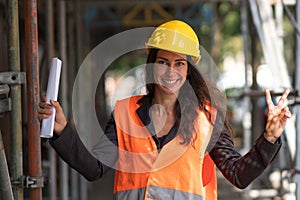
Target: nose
[171, 69]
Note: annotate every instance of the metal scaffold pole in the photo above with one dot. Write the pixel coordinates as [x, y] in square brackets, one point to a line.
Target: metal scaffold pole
[50, 53]
[265, 25]
[297, 107]
[5, 189]
[32, 77]
[62, 40]
[5, 182]
[16, 166]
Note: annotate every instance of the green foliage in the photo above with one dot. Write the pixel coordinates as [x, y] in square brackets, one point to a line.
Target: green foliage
[127, 61]
[232, 45]
[232, 42]
[231, 25]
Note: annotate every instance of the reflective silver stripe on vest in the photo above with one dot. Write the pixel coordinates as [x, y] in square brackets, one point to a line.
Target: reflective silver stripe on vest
[136, 194]
[160, 193]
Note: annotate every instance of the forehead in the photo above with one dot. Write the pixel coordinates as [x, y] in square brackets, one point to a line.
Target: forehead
[170, 55]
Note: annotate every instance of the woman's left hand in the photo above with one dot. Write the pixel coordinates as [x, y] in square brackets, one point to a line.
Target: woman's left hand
[277, 116]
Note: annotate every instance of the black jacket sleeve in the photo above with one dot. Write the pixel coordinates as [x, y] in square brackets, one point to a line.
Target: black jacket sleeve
[71, 149]
[239, 170]
[242, 170]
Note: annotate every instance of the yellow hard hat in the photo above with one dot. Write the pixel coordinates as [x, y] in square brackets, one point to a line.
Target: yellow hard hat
[176, 36]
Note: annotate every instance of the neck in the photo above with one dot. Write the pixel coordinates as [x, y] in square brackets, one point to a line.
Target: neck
[166, 101]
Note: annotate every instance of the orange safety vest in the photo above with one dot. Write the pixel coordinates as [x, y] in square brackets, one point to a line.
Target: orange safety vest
[176, 172]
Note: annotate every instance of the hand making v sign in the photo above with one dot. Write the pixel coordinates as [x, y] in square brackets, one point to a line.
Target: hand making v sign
[277, 116]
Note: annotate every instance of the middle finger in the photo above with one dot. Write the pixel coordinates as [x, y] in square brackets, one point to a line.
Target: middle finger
[283, 97]
[45, 105]
[47, 111]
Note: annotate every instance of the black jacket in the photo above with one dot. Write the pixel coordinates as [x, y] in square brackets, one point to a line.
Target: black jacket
[239, 170]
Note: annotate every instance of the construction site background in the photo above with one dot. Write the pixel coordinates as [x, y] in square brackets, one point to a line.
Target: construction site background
[254, 43]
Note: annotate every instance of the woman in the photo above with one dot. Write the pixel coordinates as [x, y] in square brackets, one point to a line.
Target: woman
[170, 140]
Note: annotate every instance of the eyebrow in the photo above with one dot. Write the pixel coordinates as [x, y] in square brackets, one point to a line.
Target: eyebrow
[181, 59]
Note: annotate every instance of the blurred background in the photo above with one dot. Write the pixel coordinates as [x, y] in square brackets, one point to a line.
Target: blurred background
[254, 45]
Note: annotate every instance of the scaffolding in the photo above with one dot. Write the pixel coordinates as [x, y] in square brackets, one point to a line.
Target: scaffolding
[90, 15]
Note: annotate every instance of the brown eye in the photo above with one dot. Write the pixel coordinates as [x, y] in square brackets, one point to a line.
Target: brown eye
[162, 62]
[180, 63]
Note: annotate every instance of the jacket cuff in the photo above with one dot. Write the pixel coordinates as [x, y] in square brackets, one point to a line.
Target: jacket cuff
[267, 150]
[60, 139]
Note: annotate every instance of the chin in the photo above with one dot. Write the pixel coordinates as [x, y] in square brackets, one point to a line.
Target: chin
[171, 91]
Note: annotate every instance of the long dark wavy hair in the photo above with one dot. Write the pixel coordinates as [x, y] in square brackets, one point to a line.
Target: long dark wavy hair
[195, 93]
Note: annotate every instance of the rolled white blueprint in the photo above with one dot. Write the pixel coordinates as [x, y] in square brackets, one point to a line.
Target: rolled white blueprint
[52, 93]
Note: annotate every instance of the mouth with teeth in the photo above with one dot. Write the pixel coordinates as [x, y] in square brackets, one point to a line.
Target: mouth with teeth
[169, 83]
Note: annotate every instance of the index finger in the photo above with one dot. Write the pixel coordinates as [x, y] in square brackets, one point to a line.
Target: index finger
[44, 98]
[268, 98]
[283, 98]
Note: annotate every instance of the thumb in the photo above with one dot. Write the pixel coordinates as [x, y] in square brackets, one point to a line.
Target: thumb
[56, 105]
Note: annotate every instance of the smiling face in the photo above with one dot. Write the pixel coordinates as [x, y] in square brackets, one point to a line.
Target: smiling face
[170, 71]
